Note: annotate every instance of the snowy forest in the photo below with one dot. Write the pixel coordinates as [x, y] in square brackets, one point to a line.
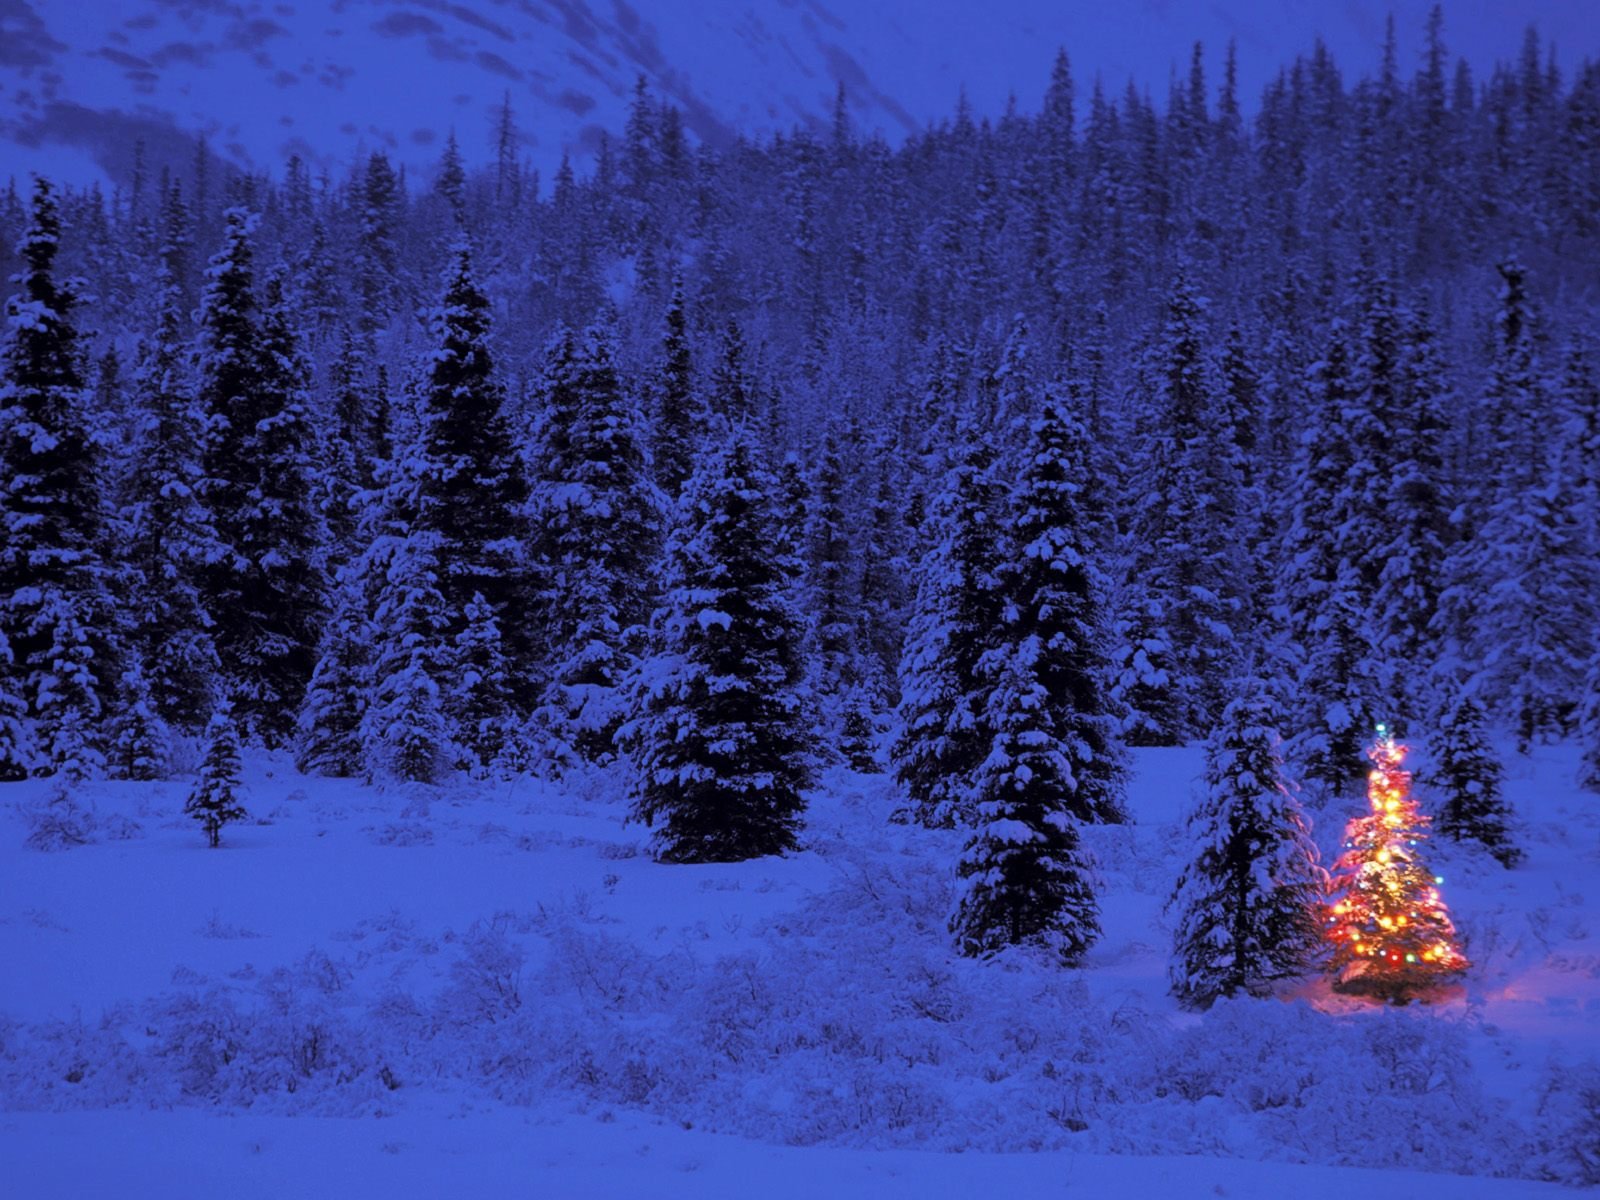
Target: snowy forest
[984, 472]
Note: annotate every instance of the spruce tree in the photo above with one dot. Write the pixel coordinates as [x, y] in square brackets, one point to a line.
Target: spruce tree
[1025, 880]
[51, 519]
[954, 622]
[172, 541]
[216, 798]
[1055, 594]
[328, 727]
[1247, 906]
[277, 539]
[68, 698]
[1325, 599]
[1186, 547]
[479, 695]
[679, 416]
[404, 735]
[18, 756]
[716, 736]
[138, 736]
[731, 390]
[1522, 596]
[834, 666]
[883, 595]
[471, 483]
[1414, 518]
[598, 528]
[264, 590]
[1469, 774]
[377, 258]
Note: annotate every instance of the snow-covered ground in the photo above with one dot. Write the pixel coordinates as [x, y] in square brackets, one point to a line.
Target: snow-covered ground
[396, 993]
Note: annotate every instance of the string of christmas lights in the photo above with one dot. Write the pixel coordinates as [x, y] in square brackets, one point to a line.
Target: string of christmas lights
[1390, 929]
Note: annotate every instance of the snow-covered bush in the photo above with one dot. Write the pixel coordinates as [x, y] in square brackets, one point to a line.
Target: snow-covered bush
[60, 821]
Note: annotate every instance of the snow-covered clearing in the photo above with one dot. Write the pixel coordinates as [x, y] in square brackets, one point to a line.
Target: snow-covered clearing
[409, 992]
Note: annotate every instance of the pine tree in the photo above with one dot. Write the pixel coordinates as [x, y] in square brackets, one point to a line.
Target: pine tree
[1325, 598]
[471, 484]
[18, 756]
[216, 799]
[1470, 776]
[479, 696]
[329, 722]
[452, 179]
[679, 418]
[404, 735]
[68, 696]
[715, 731]
[883, 597]
[1415, 517]
[1187, 558]
[833, 656]
[51, 520]
[954, 621]
[275, 581]
[1055, 592]
[730, 385]
[377, 258]
[171, 539]
[1248, 904]
[138, 735]
[597, 517]
[1025, 879]
[1522, 596]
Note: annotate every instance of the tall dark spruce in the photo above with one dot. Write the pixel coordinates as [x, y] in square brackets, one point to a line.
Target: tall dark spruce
[720, 751]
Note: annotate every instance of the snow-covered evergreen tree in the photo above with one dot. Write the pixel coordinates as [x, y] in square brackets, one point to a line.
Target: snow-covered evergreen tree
[138, 736]
[1526, 589]
[51, 518]
[955, 620]
[1413, 521]
[171, 540]
[1324, 598]
[1521, 604]
[328, 728]
[1470, 775]
[479, 694]
[471, 484]
[1025, 880]
[720, 752]
[18, 756]
[404, 735]
[598, 528]
[1054, 596]
[1186, 557]
[679, 416]
[216, 800]
[267, 588]
[1247, 906]
[833, 649]
[71, 708]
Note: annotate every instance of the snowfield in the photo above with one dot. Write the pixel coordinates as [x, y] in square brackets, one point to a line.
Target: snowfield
[442, 991]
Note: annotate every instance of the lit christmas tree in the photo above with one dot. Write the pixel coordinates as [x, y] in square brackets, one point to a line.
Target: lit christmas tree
[1391, 932]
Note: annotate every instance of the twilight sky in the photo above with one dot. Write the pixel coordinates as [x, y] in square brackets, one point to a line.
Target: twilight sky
[80, 80]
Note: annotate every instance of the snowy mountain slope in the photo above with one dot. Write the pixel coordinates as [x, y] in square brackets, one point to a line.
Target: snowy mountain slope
[80, 82]
[507, 958]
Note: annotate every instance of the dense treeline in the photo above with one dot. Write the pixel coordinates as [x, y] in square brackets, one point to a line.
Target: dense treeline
[984, 457]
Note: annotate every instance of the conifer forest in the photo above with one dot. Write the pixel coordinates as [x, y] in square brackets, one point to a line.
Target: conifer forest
[1073, 632]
